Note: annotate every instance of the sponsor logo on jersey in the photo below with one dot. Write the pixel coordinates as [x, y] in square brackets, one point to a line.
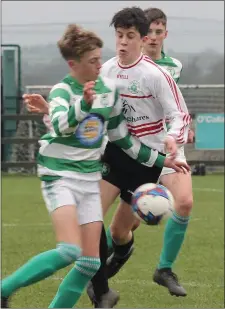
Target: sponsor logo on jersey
[171, 71]
[90, 130]
[121, 76]
[126, 107]
[104, 99]
[105, 169]
[134, 87]
[135, 119]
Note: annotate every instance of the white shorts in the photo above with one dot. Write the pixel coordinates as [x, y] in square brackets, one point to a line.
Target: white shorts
[180, 157]
[85, 195]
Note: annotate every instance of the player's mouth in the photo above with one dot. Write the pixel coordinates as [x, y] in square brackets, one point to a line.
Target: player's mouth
[122, 51]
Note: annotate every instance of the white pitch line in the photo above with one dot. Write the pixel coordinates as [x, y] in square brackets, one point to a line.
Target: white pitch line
[209, 190]
[212, 190]
[28, 224]
[146, 282]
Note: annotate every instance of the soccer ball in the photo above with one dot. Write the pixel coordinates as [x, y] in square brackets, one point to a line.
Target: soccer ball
[151, 203]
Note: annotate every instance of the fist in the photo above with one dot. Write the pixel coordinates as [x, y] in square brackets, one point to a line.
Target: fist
[89, 93]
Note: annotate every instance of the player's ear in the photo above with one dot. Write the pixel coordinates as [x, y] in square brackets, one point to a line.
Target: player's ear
[145, 38]
[166, 34]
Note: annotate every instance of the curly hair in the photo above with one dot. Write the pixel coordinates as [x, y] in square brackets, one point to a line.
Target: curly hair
[77, 41]
[131, 17]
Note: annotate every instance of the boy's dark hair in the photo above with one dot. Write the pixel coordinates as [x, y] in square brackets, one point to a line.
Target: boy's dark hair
[155, 15]
[131, 17]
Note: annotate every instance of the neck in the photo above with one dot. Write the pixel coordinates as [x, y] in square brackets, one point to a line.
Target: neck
[79, 78]
[129, 61]
[154, 55]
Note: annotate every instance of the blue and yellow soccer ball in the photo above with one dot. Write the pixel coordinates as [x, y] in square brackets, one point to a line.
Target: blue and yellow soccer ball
[151, 203]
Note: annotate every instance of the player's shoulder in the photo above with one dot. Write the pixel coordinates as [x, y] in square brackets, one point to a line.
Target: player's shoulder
[108, 82]
[151, 68]
[177, 63]
[62, 87]
[109, 64]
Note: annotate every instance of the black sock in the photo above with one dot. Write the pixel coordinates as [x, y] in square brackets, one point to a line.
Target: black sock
[100, 281]
[123, 250]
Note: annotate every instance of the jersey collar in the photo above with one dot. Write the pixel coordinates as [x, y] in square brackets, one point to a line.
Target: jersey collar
[122, 66]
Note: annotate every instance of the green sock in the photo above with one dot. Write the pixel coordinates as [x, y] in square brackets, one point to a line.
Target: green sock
[173, 240]
[109, 239]
[40, 267]
[75, 282]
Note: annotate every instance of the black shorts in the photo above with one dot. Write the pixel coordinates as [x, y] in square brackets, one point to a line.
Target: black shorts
[126, 173]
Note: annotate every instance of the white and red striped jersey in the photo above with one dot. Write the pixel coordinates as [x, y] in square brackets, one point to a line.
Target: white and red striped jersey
[149, 95]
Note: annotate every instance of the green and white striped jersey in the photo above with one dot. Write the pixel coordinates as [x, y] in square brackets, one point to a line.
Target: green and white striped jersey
[72, 148]
[172, 65]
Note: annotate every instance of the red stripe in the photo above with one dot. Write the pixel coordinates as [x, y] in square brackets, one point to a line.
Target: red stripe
[170, 82]
[148, 133]
[173, 86]
[145, 124]
[135, 96]
[147, 128]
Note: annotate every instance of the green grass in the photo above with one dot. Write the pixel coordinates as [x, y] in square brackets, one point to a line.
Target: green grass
[26, 231]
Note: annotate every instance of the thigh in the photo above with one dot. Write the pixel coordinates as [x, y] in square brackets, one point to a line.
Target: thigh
[109, 193]
[89, 208]
[62, 208]
[180, 185]
[90, 217]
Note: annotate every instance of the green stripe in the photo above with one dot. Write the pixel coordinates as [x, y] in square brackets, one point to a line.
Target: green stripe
[69, 141]
[59, 92]
[105, 112]
[144, 154]
[71, 117]
[160, 161]
[84, 106]
[114, 122]
[55, 124]
[48, 178]
[56, 164]
[58, 109]
[124, 143]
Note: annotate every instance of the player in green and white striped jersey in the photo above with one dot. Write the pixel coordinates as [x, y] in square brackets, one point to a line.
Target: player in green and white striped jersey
[64, 154]
[81, 107]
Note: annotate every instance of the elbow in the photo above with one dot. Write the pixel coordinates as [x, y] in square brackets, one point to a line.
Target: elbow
[62, 128]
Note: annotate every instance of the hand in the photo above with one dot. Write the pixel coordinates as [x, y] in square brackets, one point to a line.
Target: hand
[191, 137]
[89, 93]
[178, 166]
[35, 103]
[171, 147]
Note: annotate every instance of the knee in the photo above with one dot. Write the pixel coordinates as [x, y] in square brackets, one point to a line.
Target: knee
[183, 205]
[136, 225]
[69, 252]
[119, 233]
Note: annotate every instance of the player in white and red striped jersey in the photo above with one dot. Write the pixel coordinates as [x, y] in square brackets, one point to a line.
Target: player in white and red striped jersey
[149, 96]
[179, 184]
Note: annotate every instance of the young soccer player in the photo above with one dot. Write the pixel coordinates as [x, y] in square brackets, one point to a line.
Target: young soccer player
[81, 107]
[179, 184]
